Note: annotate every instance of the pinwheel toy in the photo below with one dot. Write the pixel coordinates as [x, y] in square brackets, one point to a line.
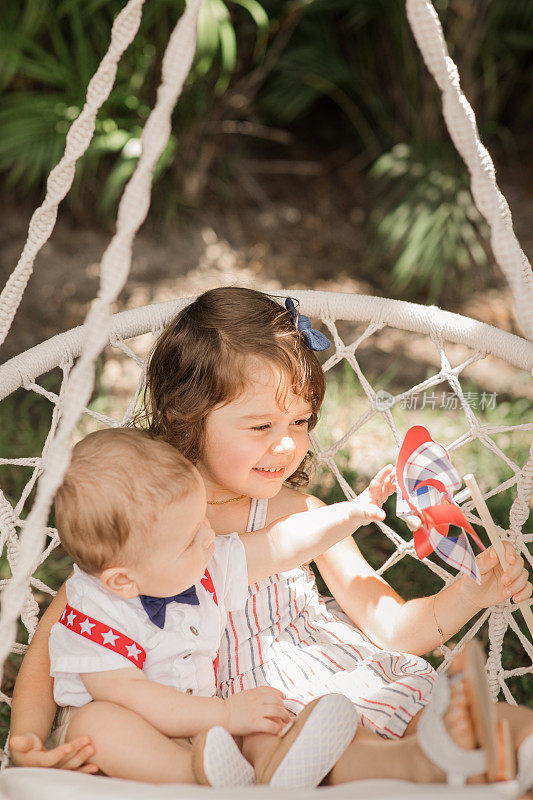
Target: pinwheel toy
[426, 480]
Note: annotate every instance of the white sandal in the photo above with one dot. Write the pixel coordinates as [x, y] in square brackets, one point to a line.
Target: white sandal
[494, 757]
[525, 765]
[218, 762]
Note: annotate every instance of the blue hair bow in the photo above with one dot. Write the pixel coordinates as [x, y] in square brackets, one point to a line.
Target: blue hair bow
[313, 339]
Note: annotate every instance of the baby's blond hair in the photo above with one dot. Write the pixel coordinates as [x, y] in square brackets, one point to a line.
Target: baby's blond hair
[117, 481]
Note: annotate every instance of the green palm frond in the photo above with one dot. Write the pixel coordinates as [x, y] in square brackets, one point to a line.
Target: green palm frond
[348, 67]
[49, 50]
[262, 22]
[424, 220]
[32, 136]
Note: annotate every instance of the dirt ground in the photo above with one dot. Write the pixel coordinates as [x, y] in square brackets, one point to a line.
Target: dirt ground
[299, 231]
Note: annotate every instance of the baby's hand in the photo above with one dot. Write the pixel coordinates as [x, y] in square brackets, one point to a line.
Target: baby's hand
[380, 487]
[497, 584]
[259, 710]
[28, 750]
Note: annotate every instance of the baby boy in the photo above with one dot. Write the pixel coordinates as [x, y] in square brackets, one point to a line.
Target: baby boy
[135, 655]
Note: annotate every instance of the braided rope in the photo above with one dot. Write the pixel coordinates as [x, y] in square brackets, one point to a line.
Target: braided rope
[114, 271]
[59, 181]
[461, 124]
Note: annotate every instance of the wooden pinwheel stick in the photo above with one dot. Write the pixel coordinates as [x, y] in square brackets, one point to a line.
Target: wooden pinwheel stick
[494, 536]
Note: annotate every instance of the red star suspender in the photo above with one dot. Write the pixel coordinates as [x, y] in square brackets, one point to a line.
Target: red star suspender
[103, 635]
[116, 641]
[207, 583]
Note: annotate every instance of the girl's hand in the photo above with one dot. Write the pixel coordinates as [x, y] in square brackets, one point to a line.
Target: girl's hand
[259, 710]
[380, 487]
[28, 750]
[498, 584]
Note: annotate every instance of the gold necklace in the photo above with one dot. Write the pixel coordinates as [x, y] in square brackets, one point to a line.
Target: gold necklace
[223, 502]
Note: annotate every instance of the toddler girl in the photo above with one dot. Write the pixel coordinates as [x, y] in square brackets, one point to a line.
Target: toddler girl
[234, 386]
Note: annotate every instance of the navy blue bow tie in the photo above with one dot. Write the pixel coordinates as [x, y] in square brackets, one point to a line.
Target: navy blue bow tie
[156, 607]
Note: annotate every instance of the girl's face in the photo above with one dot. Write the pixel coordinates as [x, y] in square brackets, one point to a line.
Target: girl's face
[252, 445]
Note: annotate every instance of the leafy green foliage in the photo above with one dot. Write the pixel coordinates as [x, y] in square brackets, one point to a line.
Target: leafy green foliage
[352, 73]
[424, 220]
[49, 52]
[337, 70]
[357, 62]
[341, 74]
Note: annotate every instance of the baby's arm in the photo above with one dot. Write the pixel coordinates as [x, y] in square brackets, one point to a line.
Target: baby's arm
[33, 708]
[179, 715]
[298, 538]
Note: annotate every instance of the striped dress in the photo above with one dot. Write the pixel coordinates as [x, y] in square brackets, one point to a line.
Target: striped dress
[288, 637]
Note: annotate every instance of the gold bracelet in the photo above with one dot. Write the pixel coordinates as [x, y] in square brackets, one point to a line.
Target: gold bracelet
[441, 632]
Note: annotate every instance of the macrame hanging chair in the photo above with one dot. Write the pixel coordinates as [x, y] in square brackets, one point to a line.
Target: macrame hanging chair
[29, 541]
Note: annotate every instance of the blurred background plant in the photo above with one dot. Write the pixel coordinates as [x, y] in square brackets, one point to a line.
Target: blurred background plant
[426, 227]
[342, 77]
[50, 50]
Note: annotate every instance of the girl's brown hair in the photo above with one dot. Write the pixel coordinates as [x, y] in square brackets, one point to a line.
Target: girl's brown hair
[199, 362]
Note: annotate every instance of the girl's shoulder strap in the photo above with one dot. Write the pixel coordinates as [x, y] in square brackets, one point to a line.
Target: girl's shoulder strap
[258, 514]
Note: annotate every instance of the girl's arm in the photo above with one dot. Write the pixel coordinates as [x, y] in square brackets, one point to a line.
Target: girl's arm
[413, 626]
[33, 707]
[380, 612]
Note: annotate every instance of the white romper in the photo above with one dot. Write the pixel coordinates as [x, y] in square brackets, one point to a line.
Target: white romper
[183, 654]
[288, 637]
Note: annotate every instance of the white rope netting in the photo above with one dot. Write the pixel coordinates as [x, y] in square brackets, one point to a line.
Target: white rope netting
[332, 309]
[25, 539]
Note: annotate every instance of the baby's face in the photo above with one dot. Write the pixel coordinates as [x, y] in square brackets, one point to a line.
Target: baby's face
[181, 545]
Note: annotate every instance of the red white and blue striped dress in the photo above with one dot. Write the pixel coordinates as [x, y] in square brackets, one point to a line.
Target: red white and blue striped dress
[288, 637]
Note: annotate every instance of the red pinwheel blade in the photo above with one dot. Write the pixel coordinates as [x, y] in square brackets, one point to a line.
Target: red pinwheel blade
[425, 467]
[423, 546]
[447, 513]
[415, 437]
